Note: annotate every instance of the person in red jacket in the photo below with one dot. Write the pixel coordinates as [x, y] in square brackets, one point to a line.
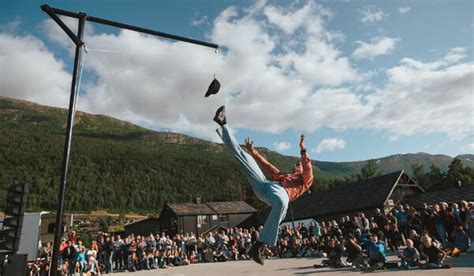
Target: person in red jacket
[281, 189]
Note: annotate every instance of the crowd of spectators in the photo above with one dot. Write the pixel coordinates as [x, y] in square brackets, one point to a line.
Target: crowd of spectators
[422, 237]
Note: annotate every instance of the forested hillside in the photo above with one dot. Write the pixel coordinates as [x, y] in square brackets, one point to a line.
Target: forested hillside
[119, 166]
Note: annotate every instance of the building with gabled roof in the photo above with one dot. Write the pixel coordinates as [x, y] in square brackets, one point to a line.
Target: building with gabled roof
[200, 217]
[366, 195]
[450, 195]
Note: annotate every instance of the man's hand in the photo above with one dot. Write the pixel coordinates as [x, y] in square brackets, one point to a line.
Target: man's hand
[302, 142]
[248, 144]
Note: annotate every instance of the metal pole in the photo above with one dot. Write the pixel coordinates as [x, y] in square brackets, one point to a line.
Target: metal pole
[61, 24]
[151, 32]
[53, 11]
[67, 148]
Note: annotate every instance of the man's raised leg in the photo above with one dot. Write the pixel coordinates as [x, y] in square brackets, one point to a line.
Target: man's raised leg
[246, 161]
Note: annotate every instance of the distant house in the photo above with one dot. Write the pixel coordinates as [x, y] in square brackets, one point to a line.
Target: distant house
[142, 227]
[382, 192]
[200, 217]
[447, 195]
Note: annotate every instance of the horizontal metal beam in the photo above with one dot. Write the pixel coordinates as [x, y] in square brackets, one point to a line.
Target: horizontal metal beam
[53, 14]
[129, 27]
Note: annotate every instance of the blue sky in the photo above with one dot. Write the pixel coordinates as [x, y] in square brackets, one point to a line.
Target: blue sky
[361, 79]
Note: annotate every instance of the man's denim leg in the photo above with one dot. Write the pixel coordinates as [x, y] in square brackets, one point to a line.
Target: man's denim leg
[249, 165]
[278, 198]
[269, 191]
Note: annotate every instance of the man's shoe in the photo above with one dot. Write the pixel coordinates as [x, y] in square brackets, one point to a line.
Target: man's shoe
[219, 118]
[254, 252]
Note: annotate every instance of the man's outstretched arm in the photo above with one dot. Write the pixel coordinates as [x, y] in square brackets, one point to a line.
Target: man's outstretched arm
[307, 165]
[266, 166]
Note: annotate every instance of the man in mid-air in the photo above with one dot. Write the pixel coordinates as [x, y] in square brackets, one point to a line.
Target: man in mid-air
[277, 192]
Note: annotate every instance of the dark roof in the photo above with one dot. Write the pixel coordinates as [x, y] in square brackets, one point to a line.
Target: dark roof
[190, 209]
[448, 195]
[229, 207]
[369, 193]
[141, 221]
[252, 221]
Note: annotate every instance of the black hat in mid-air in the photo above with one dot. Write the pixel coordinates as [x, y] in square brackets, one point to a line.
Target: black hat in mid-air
[213, 88]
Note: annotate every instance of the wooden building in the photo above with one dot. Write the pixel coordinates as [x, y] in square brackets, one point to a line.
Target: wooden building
[449, 196]
[142, 227]
[382, 192]
[200, 217]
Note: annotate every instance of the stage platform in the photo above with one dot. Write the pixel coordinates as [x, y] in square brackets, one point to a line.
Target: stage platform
[463, 265]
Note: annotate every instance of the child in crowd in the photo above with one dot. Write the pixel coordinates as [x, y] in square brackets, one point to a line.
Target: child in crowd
[376, 252]
[435, 255]
[410, 256]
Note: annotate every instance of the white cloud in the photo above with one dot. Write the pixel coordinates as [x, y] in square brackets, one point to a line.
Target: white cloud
[378, 46]
[426, 97]
[290, 19]
[330, 144]
[12, 26]
[403, 10]
[29, 71]
[371, 14]
[393, 138]
[161, 83]
[201, 21]
[468, 148]
[272, 79]
[282, 146]
[57, 35]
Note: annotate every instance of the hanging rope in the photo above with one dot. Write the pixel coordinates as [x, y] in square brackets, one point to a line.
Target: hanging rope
[292, 218]
[81, 68]
[114, 51]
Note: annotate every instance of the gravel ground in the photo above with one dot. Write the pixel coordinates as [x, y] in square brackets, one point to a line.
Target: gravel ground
[463, 265]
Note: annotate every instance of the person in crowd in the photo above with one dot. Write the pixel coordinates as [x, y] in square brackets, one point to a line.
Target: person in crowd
[394, 238]
[376, 252]
[438, 220]
[333, 252]
[401, 215]
[470, 224]
[415, 238]
[109, 254]
[354, 252]
[461, 240]
[364, 223]
[92, 268]
[413, 220]
[410, 257]
[448, 220]
[81, 261]
[69, 257]
[118, 255]
[380, 219]
[435, 256]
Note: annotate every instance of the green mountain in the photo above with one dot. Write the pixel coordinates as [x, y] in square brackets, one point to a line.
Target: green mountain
[119, 166]
[395, 162]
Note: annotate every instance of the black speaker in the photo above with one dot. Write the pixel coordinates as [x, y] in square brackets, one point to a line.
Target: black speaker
[15, 265]
[12, 223]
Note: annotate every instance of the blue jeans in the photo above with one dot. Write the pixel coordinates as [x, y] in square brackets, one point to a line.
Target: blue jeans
[109, 262]
[442, 234]
[270, 192]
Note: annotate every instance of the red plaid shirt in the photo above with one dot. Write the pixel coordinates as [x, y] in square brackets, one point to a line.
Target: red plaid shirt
[295, 184]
